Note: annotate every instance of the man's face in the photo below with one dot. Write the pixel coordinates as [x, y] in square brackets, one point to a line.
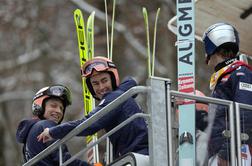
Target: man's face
[54, 110]
[101, 83]
[214, 60]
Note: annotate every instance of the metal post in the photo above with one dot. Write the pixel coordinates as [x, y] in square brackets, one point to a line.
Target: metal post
[238, 106]
[158, 142]
[232, 129]
[169, 126]
[60, 155]
[238, 133]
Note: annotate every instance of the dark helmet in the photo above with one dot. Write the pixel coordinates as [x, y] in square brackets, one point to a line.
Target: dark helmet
[100, 64]
[57, 91]
[220, 35]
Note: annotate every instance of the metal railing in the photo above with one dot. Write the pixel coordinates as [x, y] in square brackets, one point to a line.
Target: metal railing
[159, 119]
[238, 106]
[234, 114]
[131, 92]
[130, 119]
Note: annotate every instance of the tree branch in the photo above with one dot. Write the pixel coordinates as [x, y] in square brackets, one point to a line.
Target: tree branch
[22, 59]
[16, 95]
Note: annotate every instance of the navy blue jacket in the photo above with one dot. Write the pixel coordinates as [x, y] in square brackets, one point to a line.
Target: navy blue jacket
[27, 133]
[131, 138]
[234, 85]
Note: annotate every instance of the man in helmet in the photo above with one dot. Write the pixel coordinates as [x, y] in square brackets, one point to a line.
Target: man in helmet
[102, 80]
[48, 108]
[232, 80]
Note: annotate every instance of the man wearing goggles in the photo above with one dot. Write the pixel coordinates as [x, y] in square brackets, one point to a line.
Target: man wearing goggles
[48, 108]
[102, 80]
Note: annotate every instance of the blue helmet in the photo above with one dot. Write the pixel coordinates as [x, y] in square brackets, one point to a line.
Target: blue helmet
[220, 35]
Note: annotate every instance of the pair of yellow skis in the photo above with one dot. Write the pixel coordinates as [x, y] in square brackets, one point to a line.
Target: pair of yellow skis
[86, 52]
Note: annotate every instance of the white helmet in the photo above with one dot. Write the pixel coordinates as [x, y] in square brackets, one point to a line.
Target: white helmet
[220, 35]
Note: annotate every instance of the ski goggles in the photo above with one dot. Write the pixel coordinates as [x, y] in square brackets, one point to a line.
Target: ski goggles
[61, 92]
[97, 65]
[56, 91]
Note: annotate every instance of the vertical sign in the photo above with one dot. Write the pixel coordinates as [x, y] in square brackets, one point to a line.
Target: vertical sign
[186, 80]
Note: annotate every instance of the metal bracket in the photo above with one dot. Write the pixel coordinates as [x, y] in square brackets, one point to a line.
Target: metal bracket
[227, 134]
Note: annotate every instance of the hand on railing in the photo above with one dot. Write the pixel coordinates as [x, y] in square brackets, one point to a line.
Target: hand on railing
[44, 136]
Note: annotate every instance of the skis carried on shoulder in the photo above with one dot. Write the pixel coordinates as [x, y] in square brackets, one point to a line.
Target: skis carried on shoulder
[86, 51]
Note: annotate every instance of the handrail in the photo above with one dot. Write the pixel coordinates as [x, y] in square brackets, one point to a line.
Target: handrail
[214, 101]
[131, 92]
[204, 99]
[231, 105]
[133, 117]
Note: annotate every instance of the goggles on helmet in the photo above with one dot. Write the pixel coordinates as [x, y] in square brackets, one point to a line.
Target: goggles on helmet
[97, 65]
[56, 91]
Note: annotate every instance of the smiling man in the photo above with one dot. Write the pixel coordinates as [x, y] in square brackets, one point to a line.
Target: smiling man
[102, 80]
[48, 108]
[101, 83]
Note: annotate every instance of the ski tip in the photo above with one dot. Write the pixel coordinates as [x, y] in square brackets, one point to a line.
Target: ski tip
[144, 10]
[77, 10]
[158, 11]
[93, 13]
